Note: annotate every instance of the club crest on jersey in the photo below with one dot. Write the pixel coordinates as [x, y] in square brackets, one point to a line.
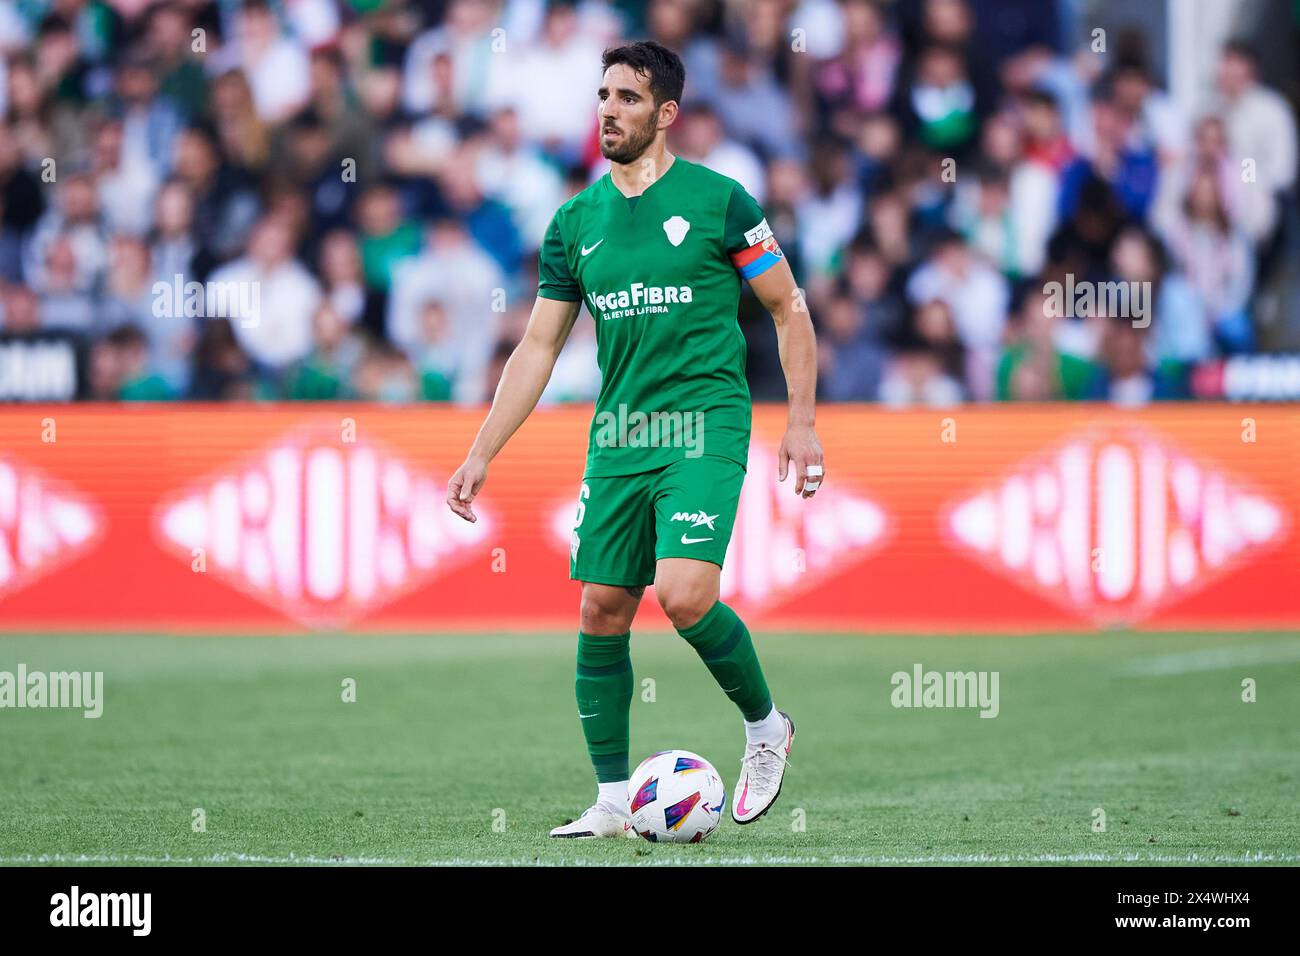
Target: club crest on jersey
[676, 229]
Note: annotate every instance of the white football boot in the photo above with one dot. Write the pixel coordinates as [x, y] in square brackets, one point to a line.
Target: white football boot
[598, 821]
[761, 772]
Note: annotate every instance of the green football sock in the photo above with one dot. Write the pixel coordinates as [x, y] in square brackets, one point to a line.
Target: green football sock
[722, 641]
[604, 692]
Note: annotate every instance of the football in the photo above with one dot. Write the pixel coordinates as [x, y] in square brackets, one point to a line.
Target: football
[675, 796]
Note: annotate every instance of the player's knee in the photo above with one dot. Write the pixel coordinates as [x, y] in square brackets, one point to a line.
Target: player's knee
[596, 619]
[600, 614]
[685, 602]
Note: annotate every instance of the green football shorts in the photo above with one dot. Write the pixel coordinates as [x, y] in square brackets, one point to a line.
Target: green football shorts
[628, 522]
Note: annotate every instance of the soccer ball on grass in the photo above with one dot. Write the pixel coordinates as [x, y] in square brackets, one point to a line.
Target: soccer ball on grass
[675, 796]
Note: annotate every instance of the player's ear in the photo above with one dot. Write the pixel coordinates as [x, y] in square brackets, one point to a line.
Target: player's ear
[668, 114]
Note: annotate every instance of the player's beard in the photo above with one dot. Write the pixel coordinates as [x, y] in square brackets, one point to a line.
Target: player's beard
[633, 143]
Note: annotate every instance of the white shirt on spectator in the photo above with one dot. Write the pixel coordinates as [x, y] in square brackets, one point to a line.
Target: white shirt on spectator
[1260, 127]
[827, 224]
[280, 80]
[1032, 194]
[278, 332]
[314, 22]
[739, 163]
[562, 108]
[822, 23]
[978, 300]
[528, 186]
[463, 279]
[126, 197]
[476, 70]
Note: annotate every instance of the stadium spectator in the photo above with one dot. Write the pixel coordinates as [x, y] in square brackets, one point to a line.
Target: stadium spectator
[274, 65]
[830, 210]
[976, 297]
[326, 374]
[149, 121]
[67, 255]
[457, 273]
[388, 235]
[222, 370]
[1217, 259]
[1260, 124]
[1125, 374]
[1033, 367]
[21, 205]
[556, 114]
[465, 37]
[225, 204]
[752, 104]
[269, 297]
[928, 363]
[126, 181]
[344, 280]
[169, 46]
[702, 138]
[385, 374]
[1182, 333]
[860, 79]
[850, 362]
[938, 104]
[1127, 166]
[21, 312]
[510, 170]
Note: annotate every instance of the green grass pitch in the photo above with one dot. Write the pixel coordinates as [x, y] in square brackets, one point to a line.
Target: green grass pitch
[466, 749]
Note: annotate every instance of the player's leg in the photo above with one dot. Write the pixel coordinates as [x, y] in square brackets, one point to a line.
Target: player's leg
[695, 504]
[612, 516]
[604, 681]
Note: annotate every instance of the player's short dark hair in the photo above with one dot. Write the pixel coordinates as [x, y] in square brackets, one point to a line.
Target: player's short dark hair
[648, 58]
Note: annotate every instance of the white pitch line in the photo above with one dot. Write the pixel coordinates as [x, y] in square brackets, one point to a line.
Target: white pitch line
[1219, 658]
[834, 859]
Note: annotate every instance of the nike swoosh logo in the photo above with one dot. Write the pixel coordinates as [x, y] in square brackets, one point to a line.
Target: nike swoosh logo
[741, 809]
[585, 716]
[686, 540]
[589, 249]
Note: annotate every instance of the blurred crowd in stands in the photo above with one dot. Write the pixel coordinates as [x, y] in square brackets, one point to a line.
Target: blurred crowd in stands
[382, 174]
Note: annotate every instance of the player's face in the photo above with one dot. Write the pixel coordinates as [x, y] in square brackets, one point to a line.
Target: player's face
[628, 117]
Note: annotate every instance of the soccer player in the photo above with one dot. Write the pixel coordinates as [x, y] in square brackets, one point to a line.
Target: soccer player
[656, 250]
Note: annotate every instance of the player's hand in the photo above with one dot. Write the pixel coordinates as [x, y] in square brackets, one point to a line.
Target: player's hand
[464, 485]
[800, 445]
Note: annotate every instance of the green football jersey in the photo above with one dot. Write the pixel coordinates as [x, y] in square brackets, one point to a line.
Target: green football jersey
[660, 274]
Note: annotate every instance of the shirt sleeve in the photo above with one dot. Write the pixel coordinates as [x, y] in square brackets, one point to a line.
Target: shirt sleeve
[747, 237]
[554, 280]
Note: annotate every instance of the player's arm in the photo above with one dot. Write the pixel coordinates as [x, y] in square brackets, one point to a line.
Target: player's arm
[797, 345]
[758, 258]
[525, 376]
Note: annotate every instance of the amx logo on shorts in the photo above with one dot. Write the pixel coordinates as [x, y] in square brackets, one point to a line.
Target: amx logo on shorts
[697, 518]
[636, 429]
[640, 299]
